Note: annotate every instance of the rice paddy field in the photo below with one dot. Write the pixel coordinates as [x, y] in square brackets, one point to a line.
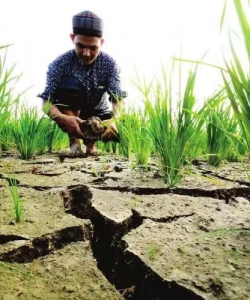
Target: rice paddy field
[164, 214]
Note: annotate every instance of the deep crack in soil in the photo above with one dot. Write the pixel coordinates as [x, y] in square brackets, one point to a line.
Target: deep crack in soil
[220, 193]
[131, 277]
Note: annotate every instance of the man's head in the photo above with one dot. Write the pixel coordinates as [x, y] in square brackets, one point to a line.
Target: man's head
[87, 36]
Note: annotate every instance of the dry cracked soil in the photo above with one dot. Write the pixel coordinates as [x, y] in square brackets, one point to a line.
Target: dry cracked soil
[96, 228]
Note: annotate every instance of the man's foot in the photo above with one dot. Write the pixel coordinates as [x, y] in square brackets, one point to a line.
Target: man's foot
[75, 150]
[90, 148]
[93, 153]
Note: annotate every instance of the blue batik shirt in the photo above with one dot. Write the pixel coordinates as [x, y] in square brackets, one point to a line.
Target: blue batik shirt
[100, 80]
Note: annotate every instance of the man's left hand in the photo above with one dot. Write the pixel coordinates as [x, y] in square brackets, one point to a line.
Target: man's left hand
[111, 133]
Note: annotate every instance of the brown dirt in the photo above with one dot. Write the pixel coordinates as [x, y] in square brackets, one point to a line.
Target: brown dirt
[192, 239]
[69, 273]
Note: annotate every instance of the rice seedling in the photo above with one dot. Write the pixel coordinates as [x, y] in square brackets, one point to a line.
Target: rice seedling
[173, 128]
[152, 251]
[17, 210]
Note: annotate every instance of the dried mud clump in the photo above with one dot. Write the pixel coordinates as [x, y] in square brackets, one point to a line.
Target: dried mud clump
[93, 128]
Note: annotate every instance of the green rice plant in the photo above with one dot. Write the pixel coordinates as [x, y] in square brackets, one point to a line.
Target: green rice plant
[7, 99]
[198, 149]
[53, 139]
[236, 79]
[125, 147]
[107, 147]
[28, 131]
[173, 128]
[59, 140]
[236, 75]
[218, 144]
[44, 143]
[235, 147]
[17, 209]
[224, 139]
[6, 141]
[134, 128]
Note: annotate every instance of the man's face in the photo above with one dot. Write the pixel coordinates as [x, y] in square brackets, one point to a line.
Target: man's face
[87, 48]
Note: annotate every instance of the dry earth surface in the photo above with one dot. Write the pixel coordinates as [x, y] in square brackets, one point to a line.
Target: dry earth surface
[96, 228]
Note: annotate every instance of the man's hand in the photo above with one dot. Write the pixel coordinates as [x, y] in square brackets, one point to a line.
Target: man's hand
[111, 132]
[70, 124]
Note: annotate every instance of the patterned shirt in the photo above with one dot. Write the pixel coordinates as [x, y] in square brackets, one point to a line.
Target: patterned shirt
[100, 80]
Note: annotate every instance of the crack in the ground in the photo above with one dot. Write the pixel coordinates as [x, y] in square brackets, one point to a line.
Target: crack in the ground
[165, 219]
[130, 276]
[42, 187]
[208, 172]
[220, 194]
[4, 239]
[124, 270]
[45, 245]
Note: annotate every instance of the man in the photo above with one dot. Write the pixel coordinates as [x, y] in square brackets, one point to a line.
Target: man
[80, 81]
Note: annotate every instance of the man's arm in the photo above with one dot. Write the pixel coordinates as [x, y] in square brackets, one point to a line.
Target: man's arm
[116, 94]
[51, 110]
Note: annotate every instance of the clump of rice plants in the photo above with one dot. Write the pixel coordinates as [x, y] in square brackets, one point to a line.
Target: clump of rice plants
[28, 132]
[107, 147]
[53, 139]
[236, 75]
[133, 128]
[172, 127]
[6, 140]
[222, 135]
[125, 147]
[45, 141]
[58, 140]
[224, 139]
[7, 99]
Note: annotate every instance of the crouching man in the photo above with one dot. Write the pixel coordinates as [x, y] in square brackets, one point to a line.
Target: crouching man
[81, 81]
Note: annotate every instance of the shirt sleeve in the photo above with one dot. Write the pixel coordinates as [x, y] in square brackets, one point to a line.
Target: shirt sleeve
[53, 78]
[114, 84]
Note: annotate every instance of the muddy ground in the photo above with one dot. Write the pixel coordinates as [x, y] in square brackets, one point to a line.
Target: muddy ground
[96, 228]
